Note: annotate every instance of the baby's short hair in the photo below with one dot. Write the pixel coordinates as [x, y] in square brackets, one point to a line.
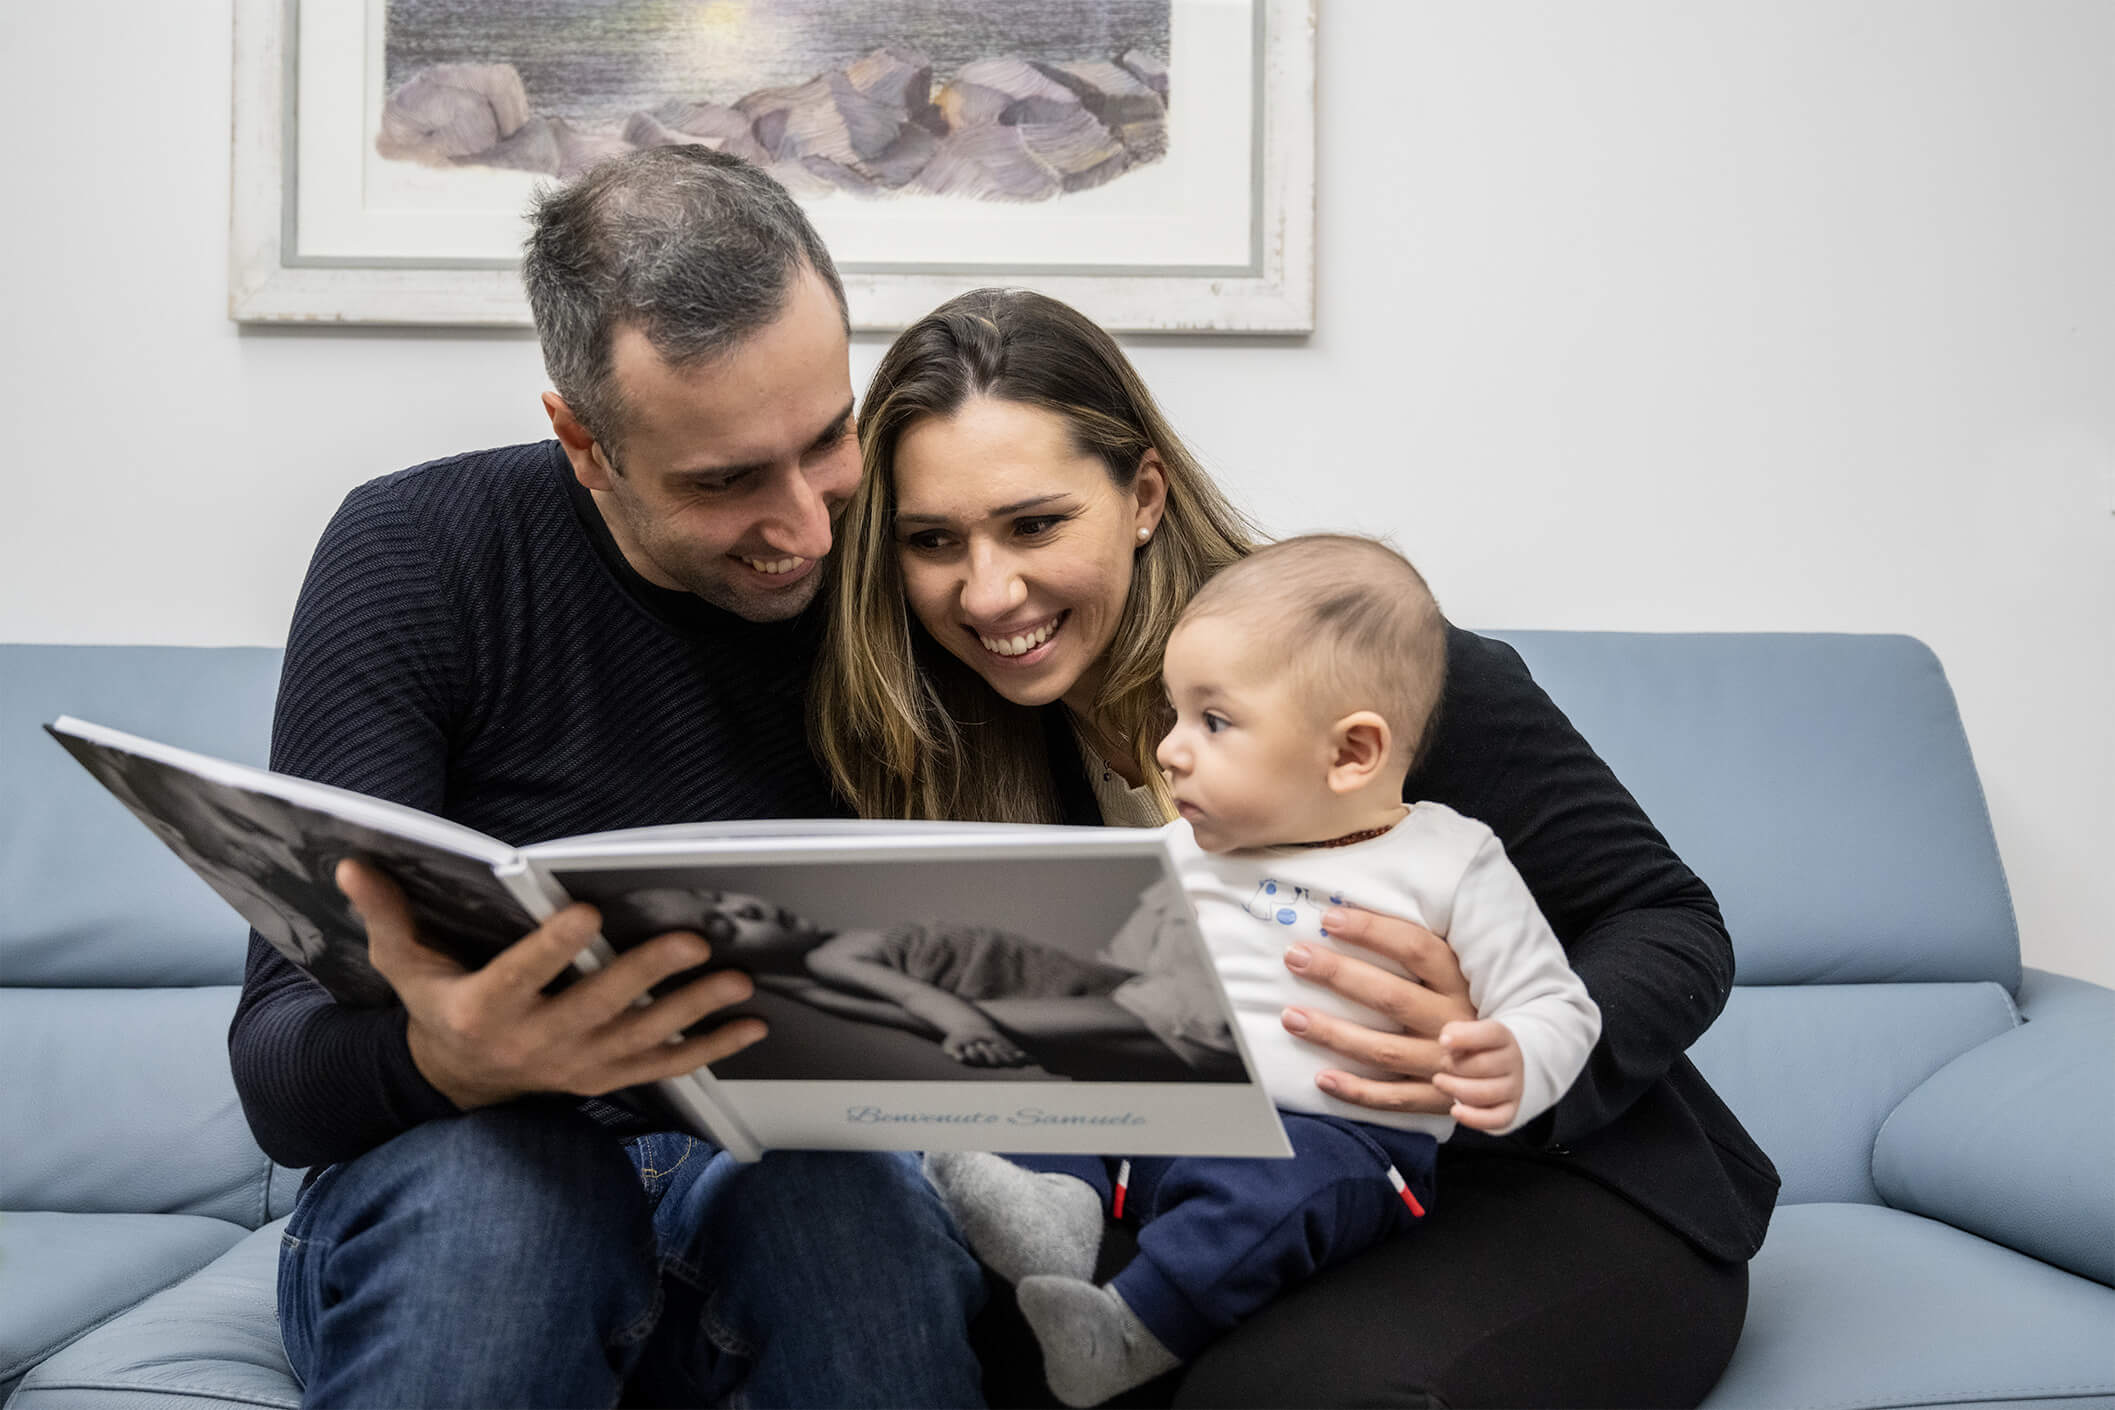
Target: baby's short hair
[1353, 622]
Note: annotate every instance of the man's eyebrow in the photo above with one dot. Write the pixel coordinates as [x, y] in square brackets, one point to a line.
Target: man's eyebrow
[728, 472]
[998, 511]
[835, 429]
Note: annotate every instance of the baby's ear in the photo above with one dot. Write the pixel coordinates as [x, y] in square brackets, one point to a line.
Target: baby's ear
[1359, 745]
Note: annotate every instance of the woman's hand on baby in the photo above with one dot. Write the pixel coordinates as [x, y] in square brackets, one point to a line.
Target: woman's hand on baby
[1422, 1006]
[1485, 1074]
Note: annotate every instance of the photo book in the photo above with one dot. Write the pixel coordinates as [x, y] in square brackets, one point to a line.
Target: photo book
[927, 986]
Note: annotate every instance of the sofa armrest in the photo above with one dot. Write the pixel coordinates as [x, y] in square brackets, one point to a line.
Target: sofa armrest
[2014, 1140]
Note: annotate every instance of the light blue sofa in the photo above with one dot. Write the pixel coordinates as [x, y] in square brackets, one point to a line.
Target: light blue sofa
[1943, 1123]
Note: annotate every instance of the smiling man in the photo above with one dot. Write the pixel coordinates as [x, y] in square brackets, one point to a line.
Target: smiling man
[606, 629]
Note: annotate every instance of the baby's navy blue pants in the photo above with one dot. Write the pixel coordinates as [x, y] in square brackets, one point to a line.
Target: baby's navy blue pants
[1220, 1237]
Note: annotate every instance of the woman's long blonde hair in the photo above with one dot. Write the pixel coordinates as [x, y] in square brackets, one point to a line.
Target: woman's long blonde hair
[905, 729]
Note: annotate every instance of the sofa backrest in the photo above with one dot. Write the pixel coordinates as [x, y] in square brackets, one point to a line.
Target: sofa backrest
[1823, 787]
[118, 966]
[1821, 784]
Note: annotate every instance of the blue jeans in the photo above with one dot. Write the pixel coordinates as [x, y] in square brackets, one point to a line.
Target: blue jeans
[523, 1256]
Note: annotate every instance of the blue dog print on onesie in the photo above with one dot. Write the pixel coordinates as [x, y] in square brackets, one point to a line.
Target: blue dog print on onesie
[1281, 904]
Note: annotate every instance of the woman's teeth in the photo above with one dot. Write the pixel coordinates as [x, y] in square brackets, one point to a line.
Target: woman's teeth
[1018, 645]
[775, 567]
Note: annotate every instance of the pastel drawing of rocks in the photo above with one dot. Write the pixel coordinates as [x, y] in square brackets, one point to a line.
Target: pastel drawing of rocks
[988, 163]
[702, 124]
[1147, 69]
[452, 111]
[1005, 128]
[551, 145]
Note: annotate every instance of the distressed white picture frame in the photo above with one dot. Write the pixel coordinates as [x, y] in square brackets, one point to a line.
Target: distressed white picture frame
[273, 280]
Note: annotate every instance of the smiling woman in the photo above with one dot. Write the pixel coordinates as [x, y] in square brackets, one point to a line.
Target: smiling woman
[1027, 530]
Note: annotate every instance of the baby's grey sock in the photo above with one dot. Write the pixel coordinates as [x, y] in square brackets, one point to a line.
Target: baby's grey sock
[1020, 1222]
[1094, 1346]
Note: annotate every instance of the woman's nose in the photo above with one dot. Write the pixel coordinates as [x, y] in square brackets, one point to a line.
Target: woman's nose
[993, 587]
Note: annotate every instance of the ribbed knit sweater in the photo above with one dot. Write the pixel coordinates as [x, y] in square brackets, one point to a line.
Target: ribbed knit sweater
[470, 641]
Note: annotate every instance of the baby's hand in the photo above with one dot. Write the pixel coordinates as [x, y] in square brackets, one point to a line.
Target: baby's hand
[1485, 1073]
[982, 1047]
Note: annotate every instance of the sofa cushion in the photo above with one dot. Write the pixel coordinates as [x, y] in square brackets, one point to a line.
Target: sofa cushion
[1821, 784]
[92, 896]
[64, 1273]
[121, 1102]
[1812, 1070]
[213, 1337]
[1855, 1306]
[2015, 1140]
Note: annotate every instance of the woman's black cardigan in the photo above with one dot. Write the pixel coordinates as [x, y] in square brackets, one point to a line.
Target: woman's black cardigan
[1640, 928]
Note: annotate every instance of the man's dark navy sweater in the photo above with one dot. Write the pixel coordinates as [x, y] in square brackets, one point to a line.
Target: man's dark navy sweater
[470, 641]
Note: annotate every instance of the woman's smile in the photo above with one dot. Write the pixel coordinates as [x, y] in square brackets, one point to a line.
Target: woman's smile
[1021, 645]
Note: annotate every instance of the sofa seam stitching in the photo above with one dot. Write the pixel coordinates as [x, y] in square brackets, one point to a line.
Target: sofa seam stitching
[35, 1359]
[220, 1397]
[1989, 828]
[1959, 1397]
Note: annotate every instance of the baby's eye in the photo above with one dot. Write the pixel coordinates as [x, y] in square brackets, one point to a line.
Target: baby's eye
[752, 911]
[1215, 722]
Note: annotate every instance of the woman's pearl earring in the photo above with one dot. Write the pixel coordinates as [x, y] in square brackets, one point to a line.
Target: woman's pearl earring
[1144, 533]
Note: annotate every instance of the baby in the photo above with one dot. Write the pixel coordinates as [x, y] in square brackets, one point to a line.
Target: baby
[1304, 681]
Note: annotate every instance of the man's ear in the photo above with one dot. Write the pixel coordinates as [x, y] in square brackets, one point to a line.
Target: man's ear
[1149, 491]
[590, 467]
[1358, 750]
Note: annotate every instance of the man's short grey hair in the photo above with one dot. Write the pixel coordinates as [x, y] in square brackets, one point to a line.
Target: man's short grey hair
[694, 248]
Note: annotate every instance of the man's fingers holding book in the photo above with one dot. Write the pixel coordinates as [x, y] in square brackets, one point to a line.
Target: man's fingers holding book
[643, 1030]
[612, 991]
[392, 939]
[526, 967]
[676, 1059]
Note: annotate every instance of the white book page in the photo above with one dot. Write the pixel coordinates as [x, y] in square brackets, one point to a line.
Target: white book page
[822, 830]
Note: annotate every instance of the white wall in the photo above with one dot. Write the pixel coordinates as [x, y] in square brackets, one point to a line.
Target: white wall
[1787, 314]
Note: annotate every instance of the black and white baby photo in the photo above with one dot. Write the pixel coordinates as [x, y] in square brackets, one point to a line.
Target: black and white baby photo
[1055, 969]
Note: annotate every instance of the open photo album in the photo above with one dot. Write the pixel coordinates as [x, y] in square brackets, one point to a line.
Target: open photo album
[928, 986]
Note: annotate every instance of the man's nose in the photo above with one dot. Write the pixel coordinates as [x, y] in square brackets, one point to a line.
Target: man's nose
[798, 520]
[992, 586]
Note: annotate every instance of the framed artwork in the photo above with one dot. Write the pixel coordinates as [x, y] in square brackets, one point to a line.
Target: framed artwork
[1148, 161]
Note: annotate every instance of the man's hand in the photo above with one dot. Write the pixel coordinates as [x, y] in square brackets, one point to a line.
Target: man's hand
[1422, 1006]
[1485, 1073]
[487, 1035]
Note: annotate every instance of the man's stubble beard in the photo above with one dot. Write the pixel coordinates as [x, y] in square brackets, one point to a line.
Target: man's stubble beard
[759, 604]
[715, 578]
[716, 582]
